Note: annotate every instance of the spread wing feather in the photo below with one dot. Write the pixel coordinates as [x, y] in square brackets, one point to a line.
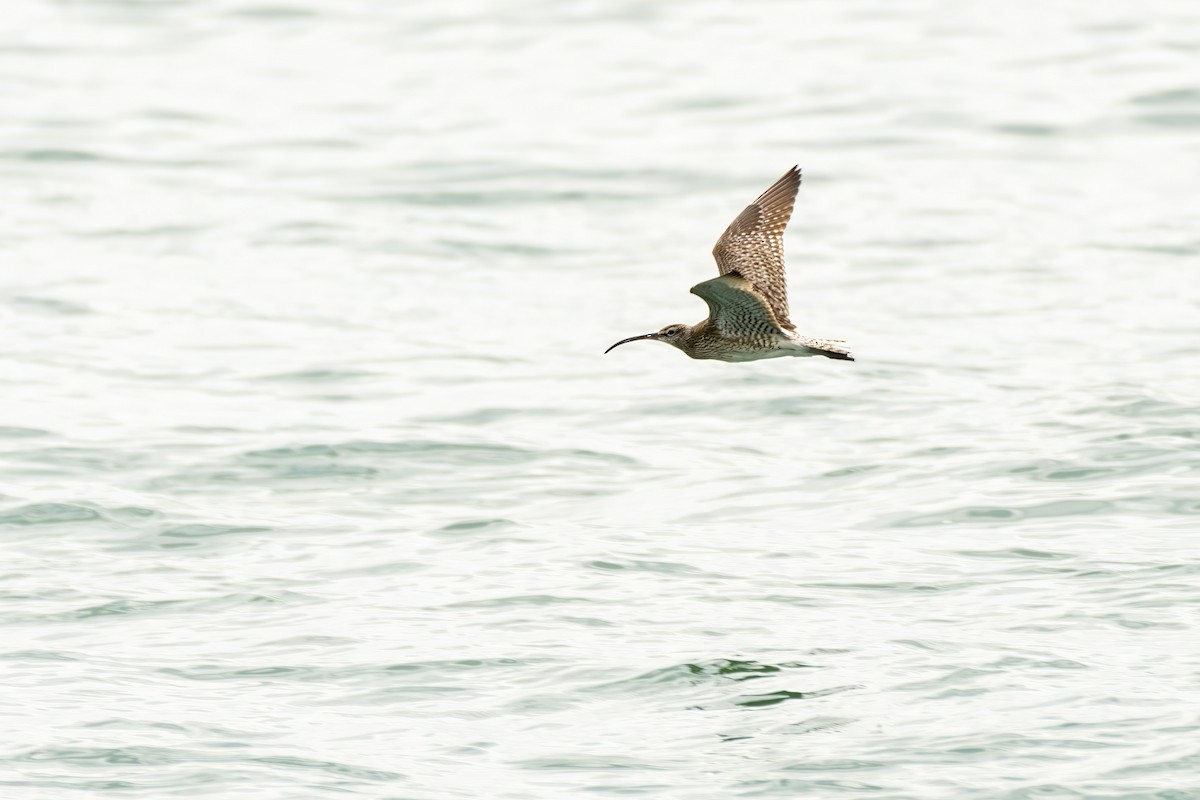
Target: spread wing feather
[752, 245]
[736, 308]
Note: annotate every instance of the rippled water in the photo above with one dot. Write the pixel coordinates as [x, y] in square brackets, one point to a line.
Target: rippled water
[314, 481]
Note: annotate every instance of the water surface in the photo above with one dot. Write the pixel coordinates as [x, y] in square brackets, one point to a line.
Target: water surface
[314, 481]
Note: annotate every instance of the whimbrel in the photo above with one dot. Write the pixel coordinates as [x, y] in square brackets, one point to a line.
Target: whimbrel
[747, 302]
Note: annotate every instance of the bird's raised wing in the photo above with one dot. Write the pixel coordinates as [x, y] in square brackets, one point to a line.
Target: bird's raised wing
[752, 245]
[736, 307]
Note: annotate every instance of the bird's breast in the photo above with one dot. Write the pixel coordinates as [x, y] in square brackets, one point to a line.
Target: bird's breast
[741, 348]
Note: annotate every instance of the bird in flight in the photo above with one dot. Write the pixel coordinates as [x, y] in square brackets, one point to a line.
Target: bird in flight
[747, 302]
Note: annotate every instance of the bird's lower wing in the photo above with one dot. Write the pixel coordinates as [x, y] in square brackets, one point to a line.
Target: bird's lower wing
[735, 307]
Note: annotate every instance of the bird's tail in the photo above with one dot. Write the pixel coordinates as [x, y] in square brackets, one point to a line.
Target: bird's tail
[830, 348]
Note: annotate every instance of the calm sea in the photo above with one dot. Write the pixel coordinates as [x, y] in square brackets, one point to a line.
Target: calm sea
[315, 483]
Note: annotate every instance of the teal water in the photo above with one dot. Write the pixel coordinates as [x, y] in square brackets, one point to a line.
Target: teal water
[314, 482]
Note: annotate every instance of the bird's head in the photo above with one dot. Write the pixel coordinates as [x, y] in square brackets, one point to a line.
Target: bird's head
[675, 335]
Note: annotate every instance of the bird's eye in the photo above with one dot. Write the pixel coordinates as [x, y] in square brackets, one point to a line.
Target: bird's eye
[672, 331]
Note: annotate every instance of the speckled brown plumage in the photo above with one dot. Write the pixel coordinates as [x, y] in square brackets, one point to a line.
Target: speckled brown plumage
[752, 245]
[747, 303]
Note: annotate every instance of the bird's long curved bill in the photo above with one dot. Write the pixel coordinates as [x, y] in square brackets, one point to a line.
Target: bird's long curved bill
[634, 339]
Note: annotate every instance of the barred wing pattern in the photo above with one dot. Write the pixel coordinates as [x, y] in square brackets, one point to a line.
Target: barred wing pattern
[752, 245]
[737, 309]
